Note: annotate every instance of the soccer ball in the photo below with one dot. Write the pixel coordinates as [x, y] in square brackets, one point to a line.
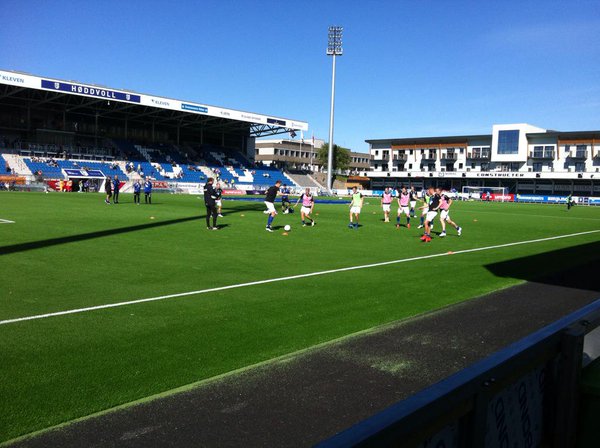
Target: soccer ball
[287, 228]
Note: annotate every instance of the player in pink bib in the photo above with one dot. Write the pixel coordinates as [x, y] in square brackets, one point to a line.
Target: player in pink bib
[403, 207]
[308, 204]
[386, 203]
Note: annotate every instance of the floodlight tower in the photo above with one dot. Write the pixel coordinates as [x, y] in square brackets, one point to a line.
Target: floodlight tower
[334, 48]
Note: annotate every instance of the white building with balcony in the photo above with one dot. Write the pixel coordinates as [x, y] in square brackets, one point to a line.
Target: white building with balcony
[521, 157]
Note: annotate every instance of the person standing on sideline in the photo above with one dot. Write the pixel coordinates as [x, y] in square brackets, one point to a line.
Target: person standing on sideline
[148, 191]
[116, 188]
[270, 203]
[137, 188]
[355, 207]
[308, 204]
[386, 203]
[108, 189]
[219, 199]
[210, 201]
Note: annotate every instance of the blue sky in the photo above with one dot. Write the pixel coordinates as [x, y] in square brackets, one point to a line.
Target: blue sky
[410, 68]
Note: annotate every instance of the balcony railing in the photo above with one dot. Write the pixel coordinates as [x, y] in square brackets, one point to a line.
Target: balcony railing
[478, 155]
[429, 156]
[400, 157]
[448, 156]
[578, 155]
[543, 154]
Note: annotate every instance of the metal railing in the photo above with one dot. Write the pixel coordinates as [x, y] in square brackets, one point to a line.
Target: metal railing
[479, 155]
[542, 154]
[456, 410]
[448, 156]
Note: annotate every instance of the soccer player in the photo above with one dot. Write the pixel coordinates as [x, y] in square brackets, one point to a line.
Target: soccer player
[413, 201]
[285, 199]
[425, 208]
[108, 189]
[270, 203]
[148, 191]
[116, 188]
[308, 204]
[355, 207]
[570, 201]
[137, 188]
[210, 201]
[403, 203]
[219, 199]
[386, 203]
[445, 203]
[434, 205]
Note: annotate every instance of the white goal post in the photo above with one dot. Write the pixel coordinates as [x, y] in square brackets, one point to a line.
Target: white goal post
[484, 193]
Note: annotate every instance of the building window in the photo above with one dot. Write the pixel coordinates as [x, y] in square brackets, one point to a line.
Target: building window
[485, 166]
[508, 142]
[460, 166]
[580, 167]
[411, 152]
[472, 165]
[537, 167]
[410, 166]
[376, 153]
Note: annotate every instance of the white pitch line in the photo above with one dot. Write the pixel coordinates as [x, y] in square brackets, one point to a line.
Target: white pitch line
[290, 277]
[6, 221]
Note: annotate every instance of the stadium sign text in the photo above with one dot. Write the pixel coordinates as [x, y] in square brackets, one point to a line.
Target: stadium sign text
[488, 174]
[194, 108]
[91, 91]
[12, 79]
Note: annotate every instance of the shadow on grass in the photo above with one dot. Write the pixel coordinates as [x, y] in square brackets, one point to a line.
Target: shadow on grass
[572, 267]
[22, 247]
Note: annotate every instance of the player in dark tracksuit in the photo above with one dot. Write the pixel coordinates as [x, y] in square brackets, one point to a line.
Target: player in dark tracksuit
[137, 188]
[210, 202]
[108, 189]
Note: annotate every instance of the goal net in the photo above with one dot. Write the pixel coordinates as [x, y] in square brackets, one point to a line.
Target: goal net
[499, 194]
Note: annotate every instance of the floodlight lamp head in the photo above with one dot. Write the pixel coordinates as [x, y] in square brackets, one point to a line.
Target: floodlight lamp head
[334, 41]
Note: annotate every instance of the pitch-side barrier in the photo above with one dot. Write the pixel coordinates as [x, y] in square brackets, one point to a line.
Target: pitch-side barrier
[525, 395]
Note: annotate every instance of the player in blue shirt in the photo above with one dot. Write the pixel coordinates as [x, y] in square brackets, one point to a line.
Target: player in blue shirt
[148, 191]
[137, 188]
[116, 188]
[285, 199]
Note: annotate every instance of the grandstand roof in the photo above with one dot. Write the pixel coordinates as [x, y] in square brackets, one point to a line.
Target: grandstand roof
[118, 103]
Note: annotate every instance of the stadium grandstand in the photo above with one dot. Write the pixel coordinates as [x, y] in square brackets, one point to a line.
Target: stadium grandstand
[52, 130]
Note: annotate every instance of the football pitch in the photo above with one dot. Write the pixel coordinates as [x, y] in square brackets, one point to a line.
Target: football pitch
[101, 305]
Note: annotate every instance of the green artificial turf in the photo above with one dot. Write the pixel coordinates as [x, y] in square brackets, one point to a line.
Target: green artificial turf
[68, 251]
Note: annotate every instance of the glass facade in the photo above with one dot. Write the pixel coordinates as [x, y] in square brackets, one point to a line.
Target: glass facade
[508, 142]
